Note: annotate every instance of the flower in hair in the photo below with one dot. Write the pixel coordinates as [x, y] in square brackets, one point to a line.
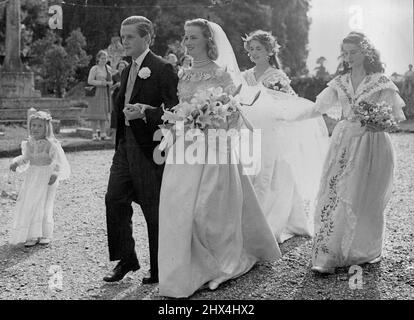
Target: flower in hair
[41, 115]
[367, 50]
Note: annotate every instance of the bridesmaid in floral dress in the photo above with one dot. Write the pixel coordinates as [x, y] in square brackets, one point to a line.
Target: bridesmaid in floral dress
[358, 173]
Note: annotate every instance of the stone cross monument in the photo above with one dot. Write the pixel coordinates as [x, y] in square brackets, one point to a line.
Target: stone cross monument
[16, 80]
[17, 92]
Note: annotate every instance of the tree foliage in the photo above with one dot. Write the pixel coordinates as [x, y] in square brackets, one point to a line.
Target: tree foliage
[287, 19]
[57, 63]
[321, 71]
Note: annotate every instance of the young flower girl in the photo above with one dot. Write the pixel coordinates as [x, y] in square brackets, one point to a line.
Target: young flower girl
[45, 164]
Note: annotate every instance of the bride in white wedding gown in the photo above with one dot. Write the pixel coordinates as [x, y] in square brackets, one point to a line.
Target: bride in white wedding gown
[212, 228]
[293, 153]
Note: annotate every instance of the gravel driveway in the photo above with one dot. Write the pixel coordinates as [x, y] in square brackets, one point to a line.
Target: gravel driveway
[79, 251]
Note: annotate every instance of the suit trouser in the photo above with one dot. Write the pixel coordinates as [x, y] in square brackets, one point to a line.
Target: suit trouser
[133, 177]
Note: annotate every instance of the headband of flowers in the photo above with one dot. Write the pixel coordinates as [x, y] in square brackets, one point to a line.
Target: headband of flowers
[265, 36]
[43, 115]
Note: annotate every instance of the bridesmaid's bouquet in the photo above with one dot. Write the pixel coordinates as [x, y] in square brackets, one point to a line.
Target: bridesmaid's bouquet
[379, 115]
[278, 83]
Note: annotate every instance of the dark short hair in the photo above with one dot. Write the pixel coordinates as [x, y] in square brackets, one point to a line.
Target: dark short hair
[122, 61]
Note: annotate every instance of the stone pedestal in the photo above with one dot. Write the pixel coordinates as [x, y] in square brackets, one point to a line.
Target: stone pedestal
[17, 92]
[17, 85]
[14, 110]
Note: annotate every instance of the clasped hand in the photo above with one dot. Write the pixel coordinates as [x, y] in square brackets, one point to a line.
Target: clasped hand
[135, 111]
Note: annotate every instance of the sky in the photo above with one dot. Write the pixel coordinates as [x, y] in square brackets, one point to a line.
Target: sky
[389, 24]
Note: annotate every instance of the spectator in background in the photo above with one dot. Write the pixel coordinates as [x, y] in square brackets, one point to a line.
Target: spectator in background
[186, 62]
[100, 76]
[116, 79]
[172, 58]
[408, 83]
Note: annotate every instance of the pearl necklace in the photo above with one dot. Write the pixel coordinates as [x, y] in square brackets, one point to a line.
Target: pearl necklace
[201, 63]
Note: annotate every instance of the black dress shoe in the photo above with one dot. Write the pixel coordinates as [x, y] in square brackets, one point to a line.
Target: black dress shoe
[121, 270]
[149, 279]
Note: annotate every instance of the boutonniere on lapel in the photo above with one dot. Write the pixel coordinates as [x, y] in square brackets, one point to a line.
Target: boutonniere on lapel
[144, 73]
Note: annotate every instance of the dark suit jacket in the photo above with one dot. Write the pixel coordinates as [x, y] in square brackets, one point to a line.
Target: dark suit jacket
[159, 88]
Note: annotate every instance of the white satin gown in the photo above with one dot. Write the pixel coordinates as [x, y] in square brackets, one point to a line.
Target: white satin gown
[292, 154]
[212, 228]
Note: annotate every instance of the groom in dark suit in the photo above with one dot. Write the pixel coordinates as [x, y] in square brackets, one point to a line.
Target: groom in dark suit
[146, 84]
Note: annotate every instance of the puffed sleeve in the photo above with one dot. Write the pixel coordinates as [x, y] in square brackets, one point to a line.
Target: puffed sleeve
[327, 102]
[22, 160]
[60, 163]
[392, 98]
[92, 77]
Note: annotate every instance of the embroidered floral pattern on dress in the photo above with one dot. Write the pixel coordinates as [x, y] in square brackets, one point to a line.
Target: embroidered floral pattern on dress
[377, 85]
[191, 81]
[371, 83]
[326, 219]
[191, 75]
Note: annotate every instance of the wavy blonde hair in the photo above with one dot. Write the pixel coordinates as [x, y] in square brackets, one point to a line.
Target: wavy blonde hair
[212, 51]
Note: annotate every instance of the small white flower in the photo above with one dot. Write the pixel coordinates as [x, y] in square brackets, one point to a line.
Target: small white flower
[180, 73]
[144, 73]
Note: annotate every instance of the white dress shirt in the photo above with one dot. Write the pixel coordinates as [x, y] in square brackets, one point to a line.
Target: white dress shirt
[138, 61]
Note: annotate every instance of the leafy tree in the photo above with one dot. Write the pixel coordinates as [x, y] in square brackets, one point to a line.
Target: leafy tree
[58, 69]
[2, 29]
[287, 19]
[321, 71]
[56, 63]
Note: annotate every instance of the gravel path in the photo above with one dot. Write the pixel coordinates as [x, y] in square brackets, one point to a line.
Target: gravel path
[79, 249]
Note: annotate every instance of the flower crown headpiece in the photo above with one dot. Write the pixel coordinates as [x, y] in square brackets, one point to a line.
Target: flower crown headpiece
[43, 115]
[268, 37]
